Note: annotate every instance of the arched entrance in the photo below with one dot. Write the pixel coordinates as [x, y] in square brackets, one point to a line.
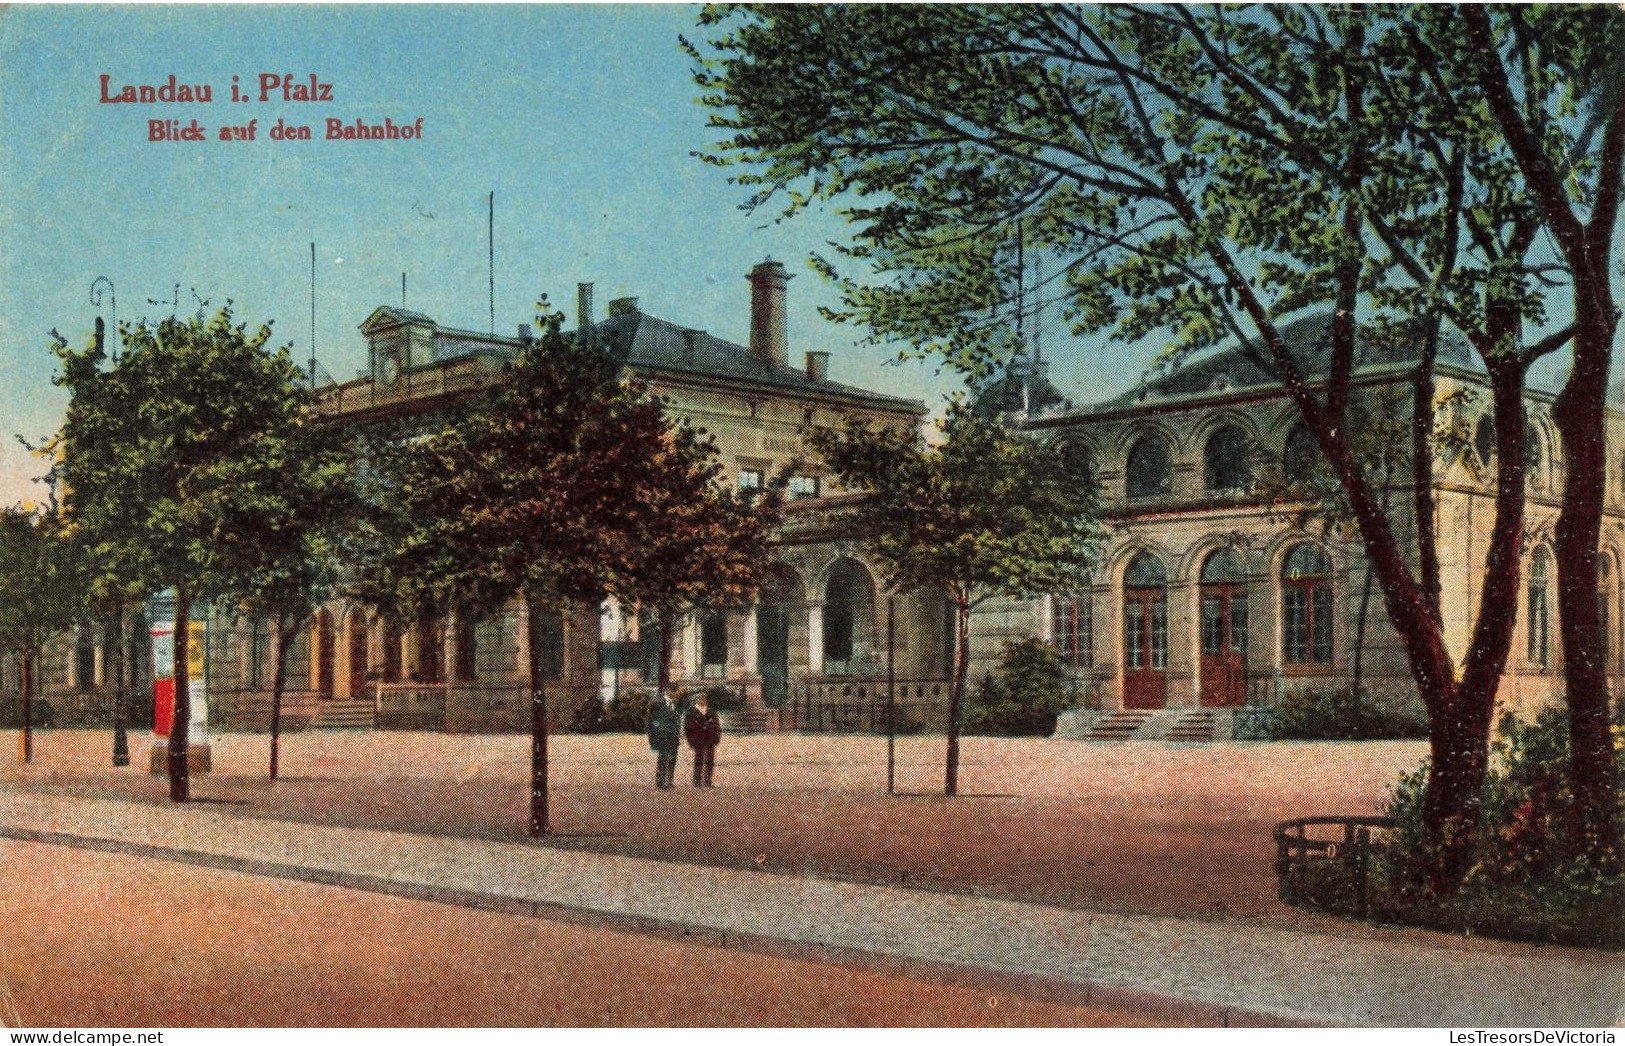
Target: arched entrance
[780, 601]
[324, 655]
[356, 626]
[849, 619]
[1224, 630]
[1145, 633]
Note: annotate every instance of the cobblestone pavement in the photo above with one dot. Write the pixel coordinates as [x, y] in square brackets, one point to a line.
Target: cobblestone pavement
[1074, 864]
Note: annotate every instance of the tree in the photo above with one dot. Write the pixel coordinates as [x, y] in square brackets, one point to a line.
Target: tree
[693, 545]
[42, 592]
[986, 513]
[566, 484]
[293, 502]
[1554, 80]
[164, 460]
[1203, 172]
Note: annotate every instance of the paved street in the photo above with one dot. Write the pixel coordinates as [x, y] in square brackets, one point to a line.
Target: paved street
[1080, 947]
[255, 951]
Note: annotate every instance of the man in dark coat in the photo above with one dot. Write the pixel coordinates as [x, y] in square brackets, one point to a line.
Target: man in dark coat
[704, 731]
[665, 736]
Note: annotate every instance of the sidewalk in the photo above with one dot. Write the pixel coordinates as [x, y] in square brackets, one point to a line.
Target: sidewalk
[1225, 973]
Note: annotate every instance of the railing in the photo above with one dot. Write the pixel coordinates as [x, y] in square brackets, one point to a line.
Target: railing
[415, 705]
[1298, 853]
[427, 383]
[859, 704]
[1253, 723]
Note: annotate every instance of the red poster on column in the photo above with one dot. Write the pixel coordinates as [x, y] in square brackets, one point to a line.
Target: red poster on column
[163, 706]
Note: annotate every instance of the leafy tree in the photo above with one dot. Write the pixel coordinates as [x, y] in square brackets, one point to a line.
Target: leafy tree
[567, 484]
[42, 592]
[165, 460]
[693, 544]
[985, 513]
[293, 504]
[1206, 172]
[1554, 80]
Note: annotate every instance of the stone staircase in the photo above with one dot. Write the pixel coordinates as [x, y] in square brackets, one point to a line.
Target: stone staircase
[748, 721]
[1120, 726]
[1192, 726]
[346, 715]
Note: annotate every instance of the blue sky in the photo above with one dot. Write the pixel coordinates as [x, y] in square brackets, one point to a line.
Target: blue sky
[581, 119]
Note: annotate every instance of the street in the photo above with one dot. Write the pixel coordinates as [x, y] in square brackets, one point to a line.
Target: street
[89, 939]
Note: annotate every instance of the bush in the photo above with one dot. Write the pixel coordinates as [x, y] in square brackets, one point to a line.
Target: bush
[724, 698]
[625, 713]
[1023, 695]
[1521, 882]
[1340, 715]
[40, 713]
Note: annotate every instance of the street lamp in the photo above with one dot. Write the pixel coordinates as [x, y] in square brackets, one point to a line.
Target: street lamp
[96, 300]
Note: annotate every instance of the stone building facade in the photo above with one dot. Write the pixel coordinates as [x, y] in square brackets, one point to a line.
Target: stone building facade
[1213, 592]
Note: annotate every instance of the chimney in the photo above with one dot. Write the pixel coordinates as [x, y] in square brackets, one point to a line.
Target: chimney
[525, 335]
[622, 307]
[768, 340]
[583, 306]
[817, 366]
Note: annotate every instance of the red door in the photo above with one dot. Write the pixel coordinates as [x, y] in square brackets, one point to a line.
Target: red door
[324, 655]
[358, 659]
[1145, 647]
[1224, 645]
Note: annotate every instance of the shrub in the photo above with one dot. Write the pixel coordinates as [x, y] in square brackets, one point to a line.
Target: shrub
[724, 698]
[1023, 695]
[1521, 882]
[1340, 715]
[625, 713]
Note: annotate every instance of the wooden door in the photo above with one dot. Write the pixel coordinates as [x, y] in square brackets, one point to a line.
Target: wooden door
[324, 655]
[1145, 647]
[358, 659]
[1224, 645]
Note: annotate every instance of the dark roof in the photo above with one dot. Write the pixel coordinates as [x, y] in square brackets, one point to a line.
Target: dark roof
[651, 344]
[1019, 385]
[1308, 340]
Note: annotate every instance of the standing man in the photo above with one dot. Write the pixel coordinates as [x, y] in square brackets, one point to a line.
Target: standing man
[665, 736]
[704, 731]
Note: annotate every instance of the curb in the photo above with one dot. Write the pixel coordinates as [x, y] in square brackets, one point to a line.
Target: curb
[1040, 987]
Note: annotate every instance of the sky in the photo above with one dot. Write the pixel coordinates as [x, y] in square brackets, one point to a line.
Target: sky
[581, 119]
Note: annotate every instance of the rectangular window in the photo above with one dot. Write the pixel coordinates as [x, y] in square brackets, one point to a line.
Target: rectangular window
[1321, 624]
[1159, 635]
[1238, 624]
[713, 645]
[803, 487]
[1295, 625]
[259, 654]
[1072, 629]
[750, 479]
[1212, 625]
[1134, 633]
[1538, 645]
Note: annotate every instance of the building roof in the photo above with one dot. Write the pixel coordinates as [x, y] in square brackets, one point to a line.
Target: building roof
[1308, 340]
[648, 343]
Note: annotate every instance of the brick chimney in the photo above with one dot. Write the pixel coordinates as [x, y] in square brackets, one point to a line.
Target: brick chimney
[583, 306]
[768, 340]
[818, 366]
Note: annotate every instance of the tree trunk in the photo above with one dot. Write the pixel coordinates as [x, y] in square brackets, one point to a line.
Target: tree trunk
[121, 738]
[1579, 414]
[663, 676]
[279, 678]
[180, 785]
[956, 693]
[538, 725]
[25, 740]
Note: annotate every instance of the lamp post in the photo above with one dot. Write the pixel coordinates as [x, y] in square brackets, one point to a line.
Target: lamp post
[96, 301]
[121, 738]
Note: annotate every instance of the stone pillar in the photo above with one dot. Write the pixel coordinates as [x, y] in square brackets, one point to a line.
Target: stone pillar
[748, 652]
[815, 639]
[1184, 644]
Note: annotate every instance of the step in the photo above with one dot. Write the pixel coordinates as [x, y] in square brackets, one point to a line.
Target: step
[748, 721]
[1119, 726]
[345, 715]
[1193, 726]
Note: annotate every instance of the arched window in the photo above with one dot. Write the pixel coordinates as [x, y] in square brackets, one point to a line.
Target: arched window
[1145, 629]
[1079, 459]
[391, 642]
[1150, 469]
[1539, 617]
[849, 609]
[1605, 597]
[1306, 607]
[1227, 461]
[1302, 460]
[1534, 456]
[1484, 438]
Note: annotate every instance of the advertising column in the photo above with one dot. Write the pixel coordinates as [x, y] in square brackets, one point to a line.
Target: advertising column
[161, 613]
